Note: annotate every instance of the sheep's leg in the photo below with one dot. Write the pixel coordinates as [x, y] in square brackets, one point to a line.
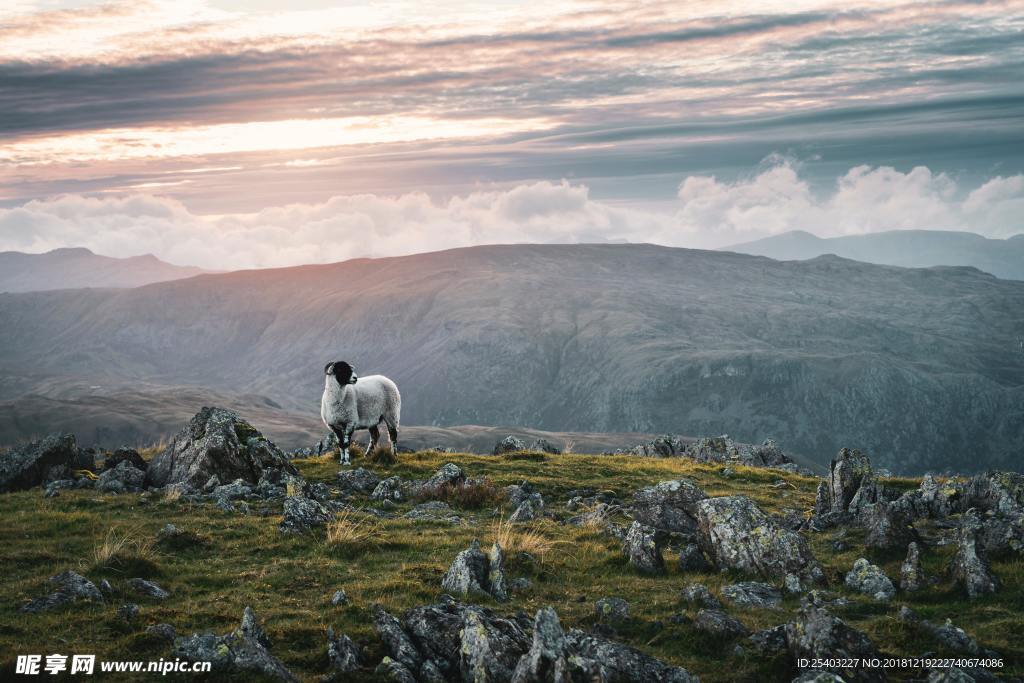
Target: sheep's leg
[346, 441]
[340, 435]
[393, 434]
[374, 438]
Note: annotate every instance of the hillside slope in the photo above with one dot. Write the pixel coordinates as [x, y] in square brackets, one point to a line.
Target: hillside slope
[922, 368]
[79, 267]
[909, 248]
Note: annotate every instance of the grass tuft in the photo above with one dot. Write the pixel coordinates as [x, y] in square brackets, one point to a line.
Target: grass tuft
[470, 495]
[382, 455]
[125, 550]
[517, 539]
[352, 532]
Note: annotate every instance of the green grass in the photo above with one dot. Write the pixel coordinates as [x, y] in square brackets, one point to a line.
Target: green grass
[233, 560]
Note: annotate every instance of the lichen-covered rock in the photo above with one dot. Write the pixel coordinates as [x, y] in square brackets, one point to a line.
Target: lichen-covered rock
[128, 612]
[509, 444]
[671, 505]
[698, 594]
[612, 609]
[911, 577]
[124, 454]
[940, 500]
[970, 566]
[753, 594]
[736, 534]
[487, 652]
[526, 512]
[642, 548]
[693, 559]
[817, 635]
[389, 489]
[234, 491]
[436, 510]
[598, 659]
[999, 492]
[359, 480]
[449, 474]
[342, 654]
[246, 649]
[216, 442]
[822, 499]
[954, 640]
[30, 465]
[545, 446]
[718, 623]
[124, 478]
[148, 588]
[869, 579]
[163, 632]
[523, 492]
[474, 571]
[849, 471]
[889, 525]
[302, 514]
[70, 588]
[769, 641]
[547, 660]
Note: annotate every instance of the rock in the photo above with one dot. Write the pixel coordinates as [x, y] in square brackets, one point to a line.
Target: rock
[523, 492]
[545, 446]
[342, 654]
[817, 635]
[818, 676]
[359, 480]
[822, 499]
[547, 660]
[753, 594]
[911, 578]
[303, 514]
[524, 513]
[128, 611]
[598, 517]
[148, 588]
[70, 588]
[770, 641]
[395, 639]
[671, 505]
[718, 623]
[939, 501]
[339, 597]
[849, 472]
[508, 445]
[105, 587]
[53, 488]
[124, 454]
[643, 549]
[612, 609]
[998, 492]
[216, 442]
[30, 465]
[388, 489]
[869, 579]
[486, 653]
[162, 631]
[473, 571]
[692, 559]
[519, 584]
[736, 534]
[246, 649]
[970, 567]
[234, 491]
[598, 659]
[435, 510]
[953, 639]
[124, 478]
[889, 525]
[449, 475]
[698, 594]
[1002, 535]
[791, 584]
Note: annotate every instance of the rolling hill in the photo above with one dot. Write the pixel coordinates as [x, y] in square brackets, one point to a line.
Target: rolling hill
[922, 368]
[79, 267]
[1003, 258]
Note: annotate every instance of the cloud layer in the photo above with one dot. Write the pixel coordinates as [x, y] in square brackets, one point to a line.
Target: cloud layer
[707, 213]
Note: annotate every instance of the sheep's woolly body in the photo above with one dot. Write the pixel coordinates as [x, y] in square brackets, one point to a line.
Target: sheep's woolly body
[363, 405]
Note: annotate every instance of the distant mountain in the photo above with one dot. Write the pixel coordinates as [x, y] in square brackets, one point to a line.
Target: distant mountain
[79, 267]
[907, 248]
[921, 368]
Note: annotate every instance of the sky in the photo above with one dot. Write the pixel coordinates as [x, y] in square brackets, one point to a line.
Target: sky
[238, 134]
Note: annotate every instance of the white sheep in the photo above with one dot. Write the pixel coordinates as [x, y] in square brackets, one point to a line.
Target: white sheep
[347, 406]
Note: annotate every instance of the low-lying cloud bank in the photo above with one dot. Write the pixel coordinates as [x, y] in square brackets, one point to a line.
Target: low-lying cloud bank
[709, 213]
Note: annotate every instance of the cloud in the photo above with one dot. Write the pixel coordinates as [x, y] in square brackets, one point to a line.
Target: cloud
[708, 213]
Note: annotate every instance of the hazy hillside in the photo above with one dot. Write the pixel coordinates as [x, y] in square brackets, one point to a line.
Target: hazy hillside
[72, 268]
[922, 368]
[909, 248]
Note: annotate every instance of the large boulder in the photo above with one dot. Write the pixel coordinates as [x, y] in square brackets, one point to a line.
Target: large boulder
[849, 473]
[817, 636]
[970, 566]
[216, 442]
[736, 534]
[123, 478]
[474, 571]
[869, 579]
[509, 444]
[642, 547]
[30, 465]
[671, 505]
[244, 650]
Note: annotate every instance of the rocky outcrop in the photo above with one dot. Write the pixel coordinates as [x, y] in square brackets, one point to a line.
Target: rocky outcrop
[736, 534]
[216, 442]
[122, 478]
[970, 566]
[611, 609]
[71, 587]
[670, 505]
[34, 463]
[911, 576]
[752, 594]
[869, 579]
[244, 650]
[693, 559]
[718, 623]
[358, 480]
[474, 571]
[817, 635]
[343, 655]
[124, 454]
[642, 548]
[509, 444]
[302, 514]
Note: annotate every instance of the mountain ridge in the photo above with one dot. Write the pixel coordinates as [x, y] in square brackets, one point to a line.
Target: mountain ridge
[78, 267]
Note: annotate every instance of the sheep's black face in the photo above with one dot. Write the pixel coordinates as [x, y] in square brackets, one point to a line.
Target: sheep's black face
[342, 372]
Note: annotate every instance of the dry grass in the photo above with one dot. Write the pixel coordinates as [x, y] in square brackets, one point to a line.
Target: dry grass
[350, 530]
[123, 548]
[470, 495]
[516, 539]
[382, 455]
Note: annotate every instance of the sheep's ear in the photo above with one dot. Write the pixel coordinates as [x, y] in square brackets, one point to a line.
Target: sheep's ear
[329, 368]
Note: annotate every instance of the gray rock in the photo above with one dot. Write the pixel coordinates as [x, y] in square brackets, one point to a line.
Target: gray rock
[692, 559]
[545, 446]
[339, 597]
[359, 480]
[128, 611]
[435, 510]
[822, 499]
[736, 534]
[869, 579]
[642, 548]
[524, 513]
[671, 505]
[817, 635]
[233, 491]
[597, 659]
[148, 588]
[849, 472]
[398, 643]
[753, 594]
[124, 478]
[970, 567]
[508, 445]
[343, 656]
[388, 489]
[31, 465]
[718, 623]
[163, 631]
[473, 571]
[496, 574]
[547, 660]
[952, 638]
[449, 474]
[303, 514]
[518, 494]
[769, 642]
[612, 609]
[105, 587]
[889, 524]
[216, 442]
[911, 576]
[246, 649]
[124, 454]
[71, 587]
[818, 676]
[519, 584]
[698, 594]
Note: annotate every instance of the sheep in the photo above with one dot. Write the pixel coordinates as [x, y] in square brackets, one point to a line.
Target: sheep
[347, 406]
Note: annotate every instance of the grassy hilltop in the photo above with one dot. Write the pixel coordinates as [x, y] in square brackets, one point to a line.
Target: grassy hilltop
[231, 560]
